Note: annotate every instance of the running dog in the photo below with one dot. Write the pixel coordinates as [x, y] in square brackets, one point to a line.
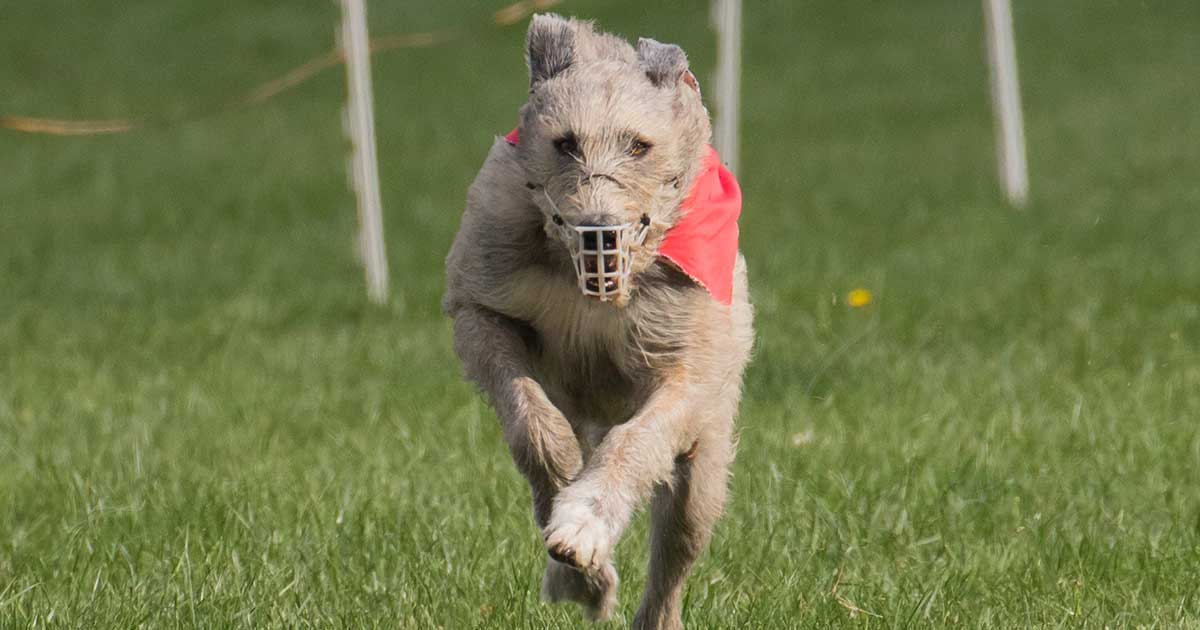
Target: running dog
[600, 302]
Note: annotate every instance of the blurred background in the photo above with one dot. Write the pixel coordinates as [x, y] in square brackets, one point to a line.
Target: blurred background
[203, 422]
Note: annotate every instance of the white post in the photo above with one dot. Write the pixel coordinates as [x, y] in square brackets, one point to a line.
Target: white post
[1006, 101]
[360, 127]
[727, 20]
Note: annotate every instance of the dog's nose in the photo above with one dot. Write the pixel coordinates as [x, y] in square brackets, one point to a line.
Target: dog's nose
[607, 231]
[608, 239]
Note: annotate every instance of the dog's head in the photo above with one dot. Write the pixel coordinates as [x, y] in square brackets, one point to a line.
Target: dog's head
[610, 141]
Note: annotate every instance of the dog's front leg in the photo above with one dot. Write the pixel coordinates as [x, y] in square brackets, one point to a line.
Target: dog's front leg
[544, 447]
[590, 514]
[493, 350]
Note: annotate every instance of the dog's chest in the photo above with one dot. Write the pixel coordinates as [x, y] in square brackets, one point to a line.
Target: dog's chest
[586, 350]
[563, 317]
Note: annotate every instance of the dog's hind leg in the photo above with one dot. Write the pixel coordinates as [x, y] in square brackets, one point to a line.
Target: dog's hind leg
[594, 589]
[682, 517]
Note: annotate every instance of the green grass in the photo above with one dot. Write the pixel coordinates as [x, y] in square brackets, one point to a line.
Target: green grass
[202, 424]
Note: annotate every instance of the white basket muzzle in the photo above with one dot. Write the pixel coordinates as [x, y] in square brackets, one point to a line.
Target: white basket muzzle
[603, 257]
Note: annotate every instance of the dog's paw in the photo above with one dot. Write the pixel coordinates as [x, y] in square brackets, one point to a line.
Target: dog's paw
[577, 536]
[595, 590]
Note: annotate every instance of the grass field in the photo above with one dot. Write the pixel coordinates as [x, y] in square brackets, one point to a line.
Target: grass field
[202, 424]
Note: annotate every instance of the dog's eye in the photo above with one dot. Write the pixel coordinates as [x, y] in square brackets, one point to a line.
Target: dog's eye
[639, 148]
[567, 145]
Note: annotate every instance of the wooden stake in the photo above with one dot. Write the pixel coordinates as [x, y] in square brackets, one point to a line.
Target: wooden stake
[1006, 102]
[727, 20]
[360, 127]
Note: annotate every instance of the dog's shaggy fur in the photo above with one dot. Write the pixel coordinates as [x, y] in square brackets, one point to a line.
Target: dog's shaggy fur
[603, 404]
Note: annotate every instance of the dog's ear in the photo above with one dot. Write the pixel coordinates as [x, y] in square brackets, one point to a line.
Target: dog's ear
[665, 64]
[549, 46]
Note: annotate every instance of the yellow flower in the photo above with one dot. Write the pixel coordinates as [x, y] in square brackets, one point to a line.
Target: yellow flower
[858, 298]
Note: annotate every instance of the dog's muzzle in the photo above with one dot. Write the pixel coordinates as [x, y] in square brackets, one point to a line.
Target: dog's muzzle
[603, 256]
